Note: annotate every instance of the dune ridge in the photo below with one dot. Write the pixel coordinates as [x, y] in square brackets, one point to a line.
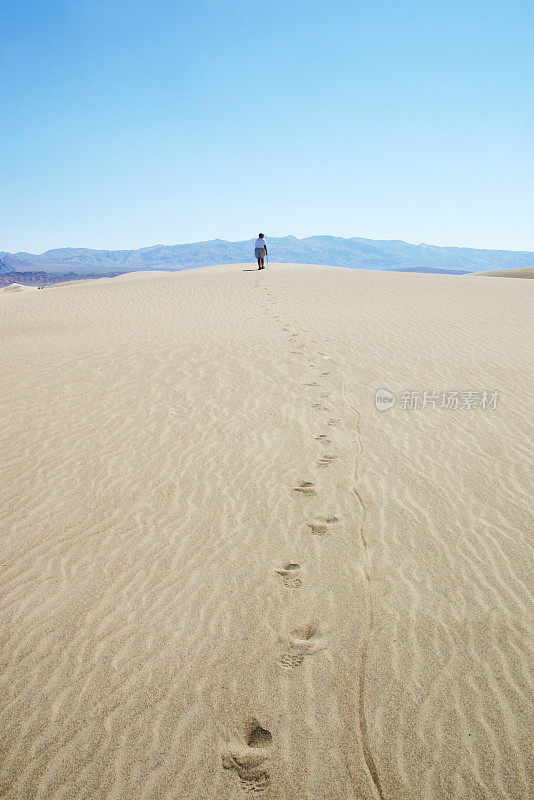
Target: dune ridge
[16, 287]
[520, 272]
[227, 573]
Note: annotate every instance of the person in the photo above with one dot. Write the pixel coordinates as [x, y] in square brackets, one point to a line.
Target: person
[260, 250]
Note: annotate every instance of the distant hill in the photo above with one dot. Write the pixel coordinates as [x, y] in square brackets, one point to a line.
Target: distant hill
[329, 250]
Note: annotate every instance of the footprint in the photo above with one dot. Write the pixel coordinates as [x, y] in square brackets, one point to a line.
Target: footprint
[305, 641]
[291, 659]
[333, 422]
[290, 575]
[325, 394]
[324, 374]
[322, 525]
[312, 383]
[305, 487]
[258, 784]
[308, 639]
[247, 758]
[325, 460]
[323, 439]
[319, 407]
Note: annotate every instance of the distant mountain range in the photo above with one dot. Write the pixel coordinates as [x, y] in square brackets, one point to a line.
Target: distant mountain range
[329, 250]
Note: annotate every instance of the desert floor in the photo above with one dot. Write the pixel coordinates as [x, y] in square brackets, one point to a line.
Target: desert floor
[224, 571]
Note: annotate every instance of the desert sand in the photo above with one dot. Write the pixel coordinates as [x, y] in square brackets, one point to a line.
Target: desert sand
[16, 287]
[224, 571]
[520, 272]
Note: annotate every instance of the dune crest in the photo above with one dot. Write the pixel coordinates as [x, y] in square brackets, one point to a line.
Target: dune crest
[16, 287]
[520, 272]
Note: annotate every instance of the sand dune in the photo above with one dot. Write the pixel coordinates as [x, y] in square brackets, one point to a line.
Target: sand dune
[225, 572]
[16, 287]
[520, 272]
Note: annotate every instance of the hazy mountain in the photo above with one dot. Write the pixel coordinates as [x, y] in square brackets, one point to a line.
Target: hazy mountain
[330, 250]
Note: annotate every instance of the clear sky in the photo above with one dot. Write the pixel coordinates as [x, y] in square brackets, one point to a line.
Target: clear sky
[127, 124]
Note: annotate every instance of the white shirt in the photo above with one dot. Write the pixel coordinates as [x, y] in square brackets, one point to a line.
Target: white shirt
[259, 243]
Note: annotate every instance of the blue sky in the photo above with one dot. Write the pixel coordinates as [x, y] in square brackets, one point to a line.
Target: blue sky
[127, 124]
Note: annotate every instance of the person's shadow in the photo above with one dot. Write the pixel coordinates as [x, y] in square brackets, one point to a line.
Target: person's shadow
[255, 269]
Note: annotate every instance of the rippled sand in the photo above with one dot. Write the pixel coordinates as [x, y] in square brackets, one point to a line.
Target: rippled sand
[225, 572]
